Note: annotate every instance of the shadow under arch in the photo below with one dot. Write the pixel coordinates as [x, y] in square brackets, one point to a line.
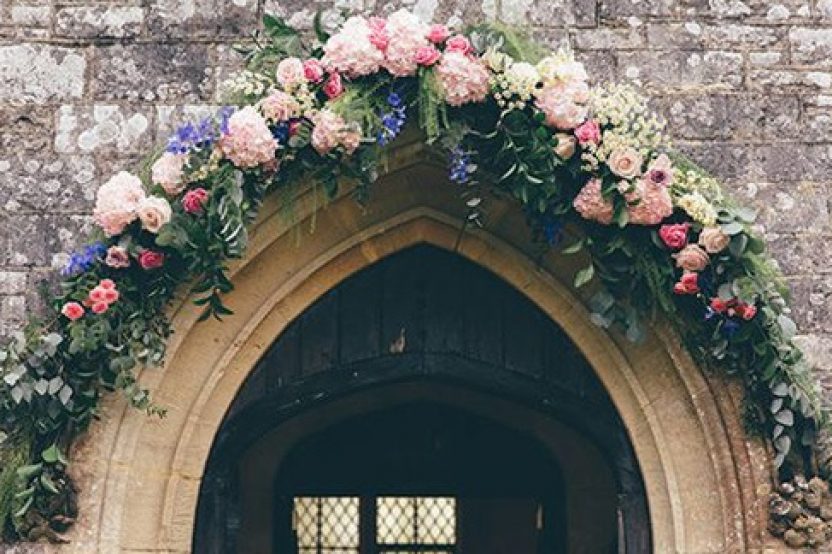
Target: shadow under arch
[702, 474]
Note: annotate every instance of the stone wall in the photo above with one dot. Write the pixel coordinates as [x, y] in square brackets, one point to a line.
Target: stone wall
[87, 86]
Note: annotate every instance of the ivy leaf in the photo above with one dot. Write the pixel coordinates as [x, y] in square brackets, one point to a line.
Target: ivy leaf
[584, 276]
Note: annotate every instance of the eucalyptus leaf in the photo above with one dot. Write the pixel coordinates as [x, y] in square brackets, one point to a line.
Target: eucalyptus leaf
[584, 276]
[733, 228]
[787, 326]
[784, 417]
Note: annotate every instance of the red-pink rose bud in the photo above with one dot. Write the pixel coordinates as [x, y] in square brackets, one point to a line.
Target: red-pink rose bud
[688, 284]
[194, 200]
[674, 236]
[150, 259]
[333, 87]
[438, 33]
[588, 132]
[313, 70]
[427, 56]
[458, 43]
[72, 310]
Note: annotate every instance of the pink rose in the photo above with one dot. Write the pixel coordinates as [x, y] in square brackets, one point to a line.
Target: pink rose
[625, 162]
[427, 56]
[438, 33]
[97, 295]
[150, 259]
[117, 257]
[99, 307]
[290, 73]
[194, 200]
[589, 132]
[107, 284]
[692, 258]
[378, 33]
[111, 295]
[313, 70]
[719, 305]
[333, 87]
[72, 311]
[458, 43]
[674, 236]
[688, 284]
[746, 311]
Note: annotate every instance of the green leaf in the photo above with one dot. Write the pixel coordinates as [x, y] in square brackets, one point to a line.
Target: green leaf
[51, 455]
[734, 228]
[738, 244]
[584, 276]
[784, 417]
[574, 247]
[787, 326]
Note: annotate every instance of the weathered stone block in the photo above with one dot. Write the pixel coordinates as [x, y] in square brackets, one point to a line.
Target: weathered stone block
[677, 70]
[202, 17]
[725, 160]
[779, 204]
[608, 39]
[33, 240]
[811, 45]
[35, 73]
[790, 78]
[102, 127]
[47, 183]
[25, 128]
[791, 161]
[623, 9]
[99, 21]
[153, 72]
[13, 282]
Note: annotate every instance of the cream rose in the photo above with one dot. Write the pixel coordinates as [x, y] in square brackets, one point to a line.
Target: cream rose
[625, 162]
[167, 172]
[290, 73]
[692, 258]
[154, 212]
[713, 240]
[566, 146]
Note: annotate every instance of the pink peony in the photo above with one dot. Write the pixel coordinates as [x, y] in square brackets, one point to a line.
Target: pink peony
[194, 200]
[589, 132]
[290, 73]
[313, 70]
[692, 258]
[350, 50]
[117, 201]
[249, 142]
[150, 259]
[438, 33]
[688, 284]
[591, 204]
[154, 212]
[279, 106]
[462, 79]
[168, 171]
[334, 87]
[674, 236]
[458, 43]
[72, 311]
[378, 32]
[330, 131]
[660, 171]
[407, 35]
[653, 204]
[117, 257]
[427, 56]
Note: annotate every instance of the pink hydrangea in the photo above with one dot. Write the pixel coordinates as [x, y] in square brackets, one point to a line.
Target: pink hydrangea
[592, 205]
[350, 50]
[249, 142]
[168, 171]
[290, 73]
[279, 106]
[117, 202]
[330, 130]
[378, 32]
[563, 104]
[407, 34]
[463, 79]
[654, 203]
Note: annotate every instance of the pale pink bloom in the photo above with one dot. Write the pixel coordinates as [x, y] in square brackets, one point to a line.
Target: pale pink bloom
[463, 79]
[653, 206]
[427, 56]
[279, 106]
[117, 201]
[154, 212]
[313, 70]
[458, 43]
[107, 284]
[167, 172]
[290, 73]
[438, 33]
[330, 131]
[249, 142]
[350, 51]
[660, 171]
[625, 162]
[592, 205]
[692, 258]
[117, 257]
[563, 105]
[408, 34]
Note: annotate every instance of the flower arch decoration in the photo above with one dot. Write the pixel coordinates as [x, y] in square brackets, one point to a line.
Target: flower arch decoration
[659, 234]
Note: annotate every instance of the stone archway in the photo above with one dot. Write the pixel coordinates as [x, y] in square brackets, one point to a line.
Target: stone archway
[703, 477]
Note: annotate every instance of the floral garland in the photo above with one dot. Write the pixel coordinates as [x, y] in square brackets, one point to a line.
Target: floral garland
[657, 233]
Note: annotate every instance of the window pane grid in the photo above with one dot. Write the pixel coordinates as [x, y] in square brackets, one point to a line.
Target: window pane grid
[327, 525]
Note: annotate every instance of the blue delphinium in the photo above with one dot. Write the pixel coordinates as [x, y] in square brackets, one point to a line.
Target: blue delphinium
[392, 121]
[83, 259]
[200, 135]
[552, 229]
[459, 166]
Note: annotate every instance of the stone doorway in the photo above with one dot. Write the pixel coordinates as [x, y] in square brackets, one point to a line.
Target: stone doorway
[422, 379]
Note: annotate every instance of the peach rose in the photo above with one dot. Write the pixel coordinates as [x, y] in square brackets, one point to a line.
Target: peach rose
[713, 240]
[625, 162]
[154, 212]
[566, 146]
[692, 258]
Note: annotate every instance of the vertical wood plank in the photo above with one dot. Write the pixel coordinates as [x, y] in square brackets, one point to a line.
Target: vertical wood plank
[319, 336]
